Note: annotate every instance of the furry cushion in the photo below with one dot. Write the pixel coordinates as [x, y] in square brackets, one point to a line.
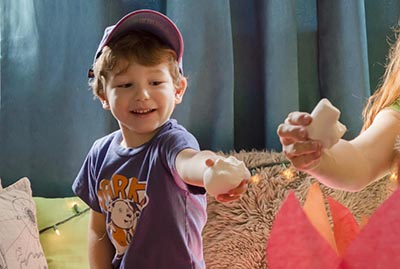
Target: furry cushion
[236, 233]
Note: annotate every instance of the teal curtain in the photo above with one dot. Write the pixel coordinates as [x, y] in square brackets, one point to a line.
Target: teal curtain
[249, 63]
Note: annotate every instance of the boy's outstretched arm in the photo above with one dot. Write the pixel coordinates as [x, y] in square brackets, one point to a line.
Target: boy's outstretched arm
[191, 166]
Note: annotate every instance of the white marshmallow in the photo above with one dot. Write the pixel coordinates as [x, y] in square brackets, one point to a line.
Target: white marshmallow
[225, 175]
[325, 126]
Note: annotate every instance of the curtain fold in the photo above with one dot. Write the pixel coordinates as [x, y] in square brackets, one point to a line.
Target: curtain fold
[343, 58]
[307, 56]
[249, 80]
[248, 62]
[281, 72]
[207, 108]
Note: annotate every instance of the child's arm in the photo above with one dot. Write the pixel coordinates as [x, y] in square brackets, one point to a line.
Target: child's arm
[351, 165]
[348, 165]
[101, 251]
[192, 164]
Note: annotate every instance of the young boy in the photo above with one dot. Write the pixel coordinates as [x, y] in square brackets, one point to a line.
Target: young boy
[144, 182]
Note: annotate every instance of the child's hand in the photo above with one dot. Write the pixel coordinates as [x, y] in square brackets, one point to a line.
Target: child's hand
[325, 126]
[233, 194]
[296, 145]
[226, 178]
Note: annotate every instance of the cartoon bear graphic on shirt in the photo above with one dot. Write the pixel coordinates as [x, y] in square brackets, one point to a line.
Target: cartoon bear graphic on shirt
[123, 219]
[123, 200]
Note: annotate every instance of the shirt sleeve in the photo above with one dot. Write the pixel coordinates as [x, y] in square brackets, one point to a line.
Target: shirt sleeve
[176, 141]
[84, 185]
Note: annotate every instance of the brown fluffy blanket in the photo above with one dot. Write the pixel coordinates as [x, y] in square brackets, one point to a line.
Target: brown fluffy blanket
[236, 233]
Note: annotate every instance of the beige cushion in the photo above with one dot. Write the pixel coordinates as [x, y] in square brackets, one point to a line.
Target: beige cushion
[19, 236]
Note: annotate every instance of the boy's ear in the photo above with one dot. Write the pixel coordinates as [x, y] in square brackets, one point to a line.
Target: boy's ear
[179, 92]
[104, 102]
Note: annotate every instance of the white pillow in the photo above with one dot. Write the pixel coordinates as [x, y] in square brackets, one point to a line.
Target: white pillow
[19, 236]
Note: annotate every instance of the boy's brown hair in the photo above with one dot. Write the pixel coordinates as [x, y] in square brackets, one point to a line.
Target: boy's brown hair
[138, 46]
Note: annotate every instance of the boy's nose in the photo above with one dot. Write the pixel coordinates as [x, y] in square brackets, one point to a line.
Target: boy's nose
[142, 93]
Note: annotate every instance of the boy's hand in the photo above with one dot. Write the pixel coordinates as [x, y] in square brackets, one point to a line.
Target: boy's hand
[226, 179]
[233, 194]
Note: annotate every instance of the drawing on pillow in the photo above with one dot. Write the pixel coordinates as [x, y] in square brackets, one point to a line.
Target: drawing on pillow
[19, 236]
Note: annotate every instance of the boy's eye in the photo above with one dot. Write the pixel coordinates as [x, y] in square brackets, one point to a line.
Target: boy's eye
[127, 85]
[155, 83]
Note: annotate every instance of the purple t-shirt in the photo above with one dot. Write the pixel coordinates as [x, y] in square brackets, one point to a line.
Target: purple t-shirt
[154, 219]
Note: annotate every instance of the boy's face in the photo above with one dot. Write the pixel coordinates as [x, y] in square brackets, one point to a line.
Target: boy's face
[142, 99]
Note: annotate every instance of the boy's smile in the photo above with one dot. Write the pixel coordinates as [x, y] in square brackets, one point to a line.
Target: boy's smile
[143, 111]
[141, 98]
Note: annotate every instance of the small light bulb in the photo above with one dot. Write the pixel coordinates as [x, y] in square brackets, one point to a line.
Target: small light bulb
[56, 230]
[255, 179]
[393, 177]
[76, 208]
[288, 174]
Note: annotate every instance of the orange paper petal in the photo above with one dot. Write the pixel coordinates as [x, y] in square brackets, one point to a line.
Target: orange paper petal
[345, 227]
[314, 208]
[363, 222]
[294, 242]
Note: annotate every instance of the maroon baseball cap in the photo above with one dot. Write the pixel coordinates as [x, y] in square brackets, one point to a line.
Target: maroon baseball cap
[146, 20]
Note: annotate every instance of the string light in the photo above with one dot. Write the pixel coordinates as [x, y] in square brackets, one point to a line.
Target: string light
[77, 212]
[76, 208]
[393, 177]
[255, 179]
[394, 183]
[56, 230]
[287, 173]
